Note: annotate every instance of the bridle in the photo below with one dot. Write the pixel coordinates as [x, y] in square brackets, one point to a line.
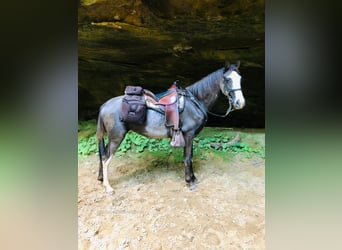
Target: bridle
[228, 90]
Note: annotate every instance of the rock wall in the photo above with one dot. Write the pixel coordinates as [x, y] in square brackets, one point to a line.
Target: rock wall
[152, 43]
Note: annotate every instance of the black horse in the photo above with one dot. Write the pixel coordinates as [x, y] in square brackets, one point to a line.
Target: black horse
[199, 98]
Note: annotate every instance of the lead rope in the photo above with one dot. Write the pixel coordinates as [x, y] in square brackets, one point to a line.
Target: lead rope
[228, 111]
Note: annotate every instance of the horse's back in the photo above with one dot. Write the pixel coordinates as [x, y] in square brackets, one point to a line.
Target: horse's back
[111, 105]
[192, 120]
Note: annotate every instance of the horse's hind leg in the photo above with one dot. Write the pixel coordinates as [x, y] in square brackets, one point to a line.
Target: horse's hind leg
[105, 182]
[102, 150]
[113, 144]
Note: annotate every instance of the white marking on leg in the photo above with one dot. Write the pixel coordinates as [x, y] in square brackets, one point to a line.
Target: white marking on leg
[109, 189]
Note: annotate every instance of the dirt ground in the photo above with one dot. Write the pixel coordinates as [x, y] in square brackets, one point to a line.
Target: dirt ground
[152, 207]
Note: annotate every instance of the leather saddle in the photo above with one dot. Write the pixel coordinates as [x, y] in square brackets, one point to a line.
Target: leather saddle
[168, 103]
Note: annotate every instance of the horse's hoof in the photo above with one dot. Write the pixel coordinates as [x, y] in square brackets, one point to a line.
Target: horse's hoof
[192, 184]
[193, 187]
[110, 191]
[195, 181]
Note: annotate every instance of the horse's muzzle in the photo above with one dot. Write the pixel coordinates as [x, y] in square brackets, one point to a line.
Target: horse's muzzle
[239, 104]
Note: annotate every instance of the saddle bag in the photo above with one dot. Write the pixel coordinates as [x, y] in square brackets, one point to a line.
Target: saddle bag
[133, 90]
[133, 107]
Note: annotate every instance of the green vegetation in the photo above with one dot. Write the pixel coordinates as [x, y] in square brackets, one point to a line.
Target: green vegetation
[222, 142]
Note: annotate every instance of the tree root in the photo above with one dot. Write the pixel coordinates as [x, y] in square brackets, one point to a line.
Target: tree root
[219, 145]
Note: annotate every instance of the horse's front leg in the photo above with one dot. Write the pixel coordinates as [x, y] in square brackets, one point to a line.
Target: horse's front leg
[190, 177]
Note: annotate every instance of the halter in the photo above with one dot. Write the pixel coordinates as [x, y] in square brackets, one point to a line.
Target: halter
[229, 98]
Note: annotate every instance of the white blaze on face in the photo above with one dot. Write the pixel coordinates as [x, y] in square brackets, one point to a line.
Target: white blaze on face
[239, 101]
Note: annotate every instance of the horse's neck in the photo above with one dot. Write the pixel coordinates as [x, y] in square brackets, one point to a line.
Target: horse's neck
[207, 90]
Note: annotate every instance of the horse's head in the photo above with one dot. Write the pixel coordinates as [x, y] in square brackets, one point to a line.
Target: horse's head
[231, 86]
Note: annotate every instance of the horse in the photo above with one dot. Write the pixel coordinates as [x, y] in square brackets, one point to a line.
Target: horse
[199, 98]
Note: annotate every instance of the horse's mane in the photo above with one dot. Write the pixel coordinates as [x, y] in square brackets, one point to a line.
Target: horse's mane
[205, 84]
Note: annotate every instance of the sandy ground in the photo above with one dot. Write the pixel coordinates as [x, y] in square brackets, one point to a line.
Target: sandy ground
[152, 207]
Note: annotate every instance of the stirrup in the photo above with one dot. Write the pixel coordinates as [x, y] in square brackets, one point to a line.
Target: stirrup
[177, 140]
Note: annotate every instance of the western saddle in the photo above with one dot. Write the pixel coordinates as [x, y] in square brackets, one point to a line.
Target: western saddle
[169, 103]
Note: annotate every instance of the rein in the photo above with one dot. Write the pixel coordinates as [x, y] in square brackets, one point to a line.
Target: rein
[230, 105]
[228, 111]
[204, 110]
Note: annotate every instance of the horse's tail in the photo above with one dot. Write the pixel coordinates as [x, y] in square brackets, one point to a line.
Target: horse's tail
[101, 144]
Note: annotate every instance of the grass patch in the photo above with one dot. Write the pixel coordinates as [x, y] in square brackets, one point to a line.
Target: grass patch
[218, 141]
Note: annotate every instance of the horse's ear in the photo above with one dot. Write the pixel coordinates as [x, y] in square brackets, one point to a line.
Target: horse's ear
[238, 64]
[226, 66]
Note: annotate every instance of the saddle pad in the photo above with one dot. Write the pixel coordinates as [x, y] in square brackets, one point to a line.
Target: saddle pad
[161, 108]
[165, 93]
